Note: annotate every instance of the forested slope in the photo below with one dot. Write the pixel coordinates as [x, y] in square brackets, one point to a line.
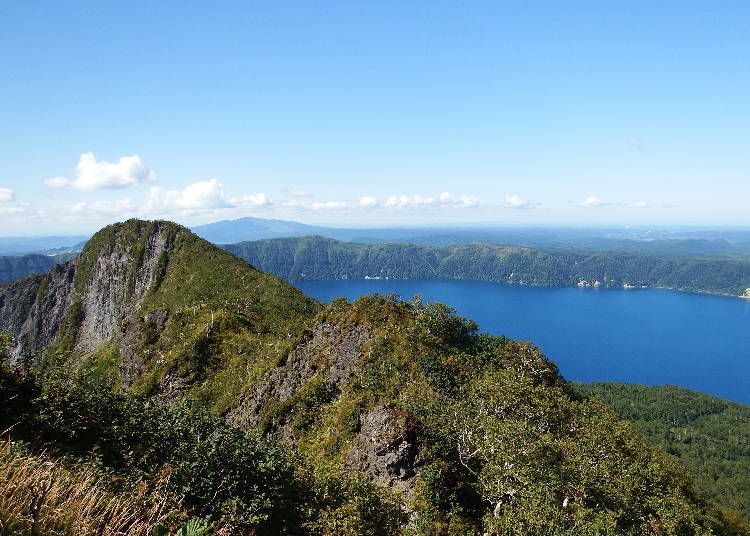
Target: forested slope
[313, 257]
[709, 436]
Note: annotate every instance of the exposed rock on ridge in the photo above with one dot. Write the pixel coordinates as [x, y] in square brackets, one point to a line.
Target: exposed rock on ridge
[326, 347]
[32, 309]
[100, 289]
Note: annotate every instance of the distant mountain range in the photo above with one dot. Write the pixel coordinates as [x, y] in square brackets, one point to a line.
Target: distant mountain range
[689, 242]
[16, 267]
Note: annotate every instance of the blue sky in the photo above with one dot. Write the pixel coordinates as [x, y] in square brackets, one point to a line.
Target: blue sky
[383, 112]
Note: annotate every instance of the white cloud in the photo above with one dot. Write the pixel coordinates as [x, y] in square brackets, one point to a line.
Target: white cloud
[367, 201]
[23, 210]
[592, 201]
[639, 204]
[445, 199]
[255, 200]
[514, 201]
[404, 201]
[462, 201]
[6, 194]
[296, 192]
[203, 195]
[328, 205]
[92, 174]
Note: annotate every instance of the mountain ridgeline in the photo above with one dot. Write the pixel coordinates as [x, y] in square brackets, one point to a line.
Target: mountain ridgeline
[201, 386]
[314, 257]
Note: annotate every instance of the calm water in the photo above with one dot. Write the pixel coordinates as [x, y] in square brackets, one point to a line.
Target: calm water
[650, 336]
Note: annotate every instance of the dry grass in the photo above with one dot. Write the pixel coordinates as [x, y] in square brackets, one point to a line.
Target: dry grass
[38, 496]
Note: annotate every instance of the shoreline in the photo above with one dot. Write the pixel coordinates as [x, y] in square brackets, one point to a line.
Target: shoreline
[575, 285]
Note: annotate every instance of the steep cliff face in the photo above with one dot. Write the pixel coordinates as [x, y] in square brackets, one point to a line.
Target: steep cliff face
[120, 273]
[124, 303]
[32, 309]
[98, 291]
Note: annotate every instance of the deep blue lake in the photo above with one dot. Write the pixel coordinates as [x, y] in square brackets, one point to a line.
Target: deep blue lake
[651, 337]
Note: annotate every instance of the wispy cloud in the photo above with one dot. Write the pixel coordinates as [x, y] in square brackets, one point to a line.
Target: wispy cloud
[329, 205]
[92, 174]
[445, 200]
[6, 194]
[516, 202]
[592, 201]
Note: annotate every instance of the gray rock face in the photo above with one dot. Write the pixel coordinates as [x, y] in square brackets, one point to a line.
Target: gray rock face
[32, 309]
[327, 347]
[386, 448]
[113, 294]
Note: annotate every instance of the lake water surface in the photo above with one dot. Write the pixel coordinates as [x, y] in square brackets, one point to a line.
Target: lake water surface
[649, 336]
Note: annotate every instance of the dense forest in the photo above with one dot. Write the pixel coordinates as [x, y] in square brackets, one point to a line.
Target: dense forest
[321, 258]
[172, 384]
[709, 436]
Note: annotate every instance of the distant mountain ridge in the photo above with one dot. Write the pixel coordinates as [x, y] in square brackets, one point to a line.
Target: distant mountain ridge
[705, 244]
[311, 258]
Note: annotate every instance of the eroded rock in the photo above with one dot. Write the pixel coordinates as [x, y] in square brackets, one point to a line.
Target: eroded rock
[386, 448]
[326, 347]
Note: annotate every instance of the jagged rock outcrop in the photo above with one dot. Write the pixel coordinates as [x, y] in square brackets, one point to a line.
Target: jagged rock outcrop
[333, 350]
[32, 309]
[118, 280]
[100, 291]
[386, 449]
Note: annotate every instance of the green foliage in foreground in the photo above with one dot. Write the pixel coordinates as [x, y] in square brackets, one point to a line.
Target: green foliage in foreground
[314, 257]
[709, 436]
[506, 448]
[183, 457]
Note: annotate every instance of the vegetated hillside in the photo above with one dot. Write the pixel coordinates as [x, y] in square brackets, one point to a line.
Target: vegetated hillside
[191, 381]
[148, 301]
[12, 268]
[709, 436]
[315, 257]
